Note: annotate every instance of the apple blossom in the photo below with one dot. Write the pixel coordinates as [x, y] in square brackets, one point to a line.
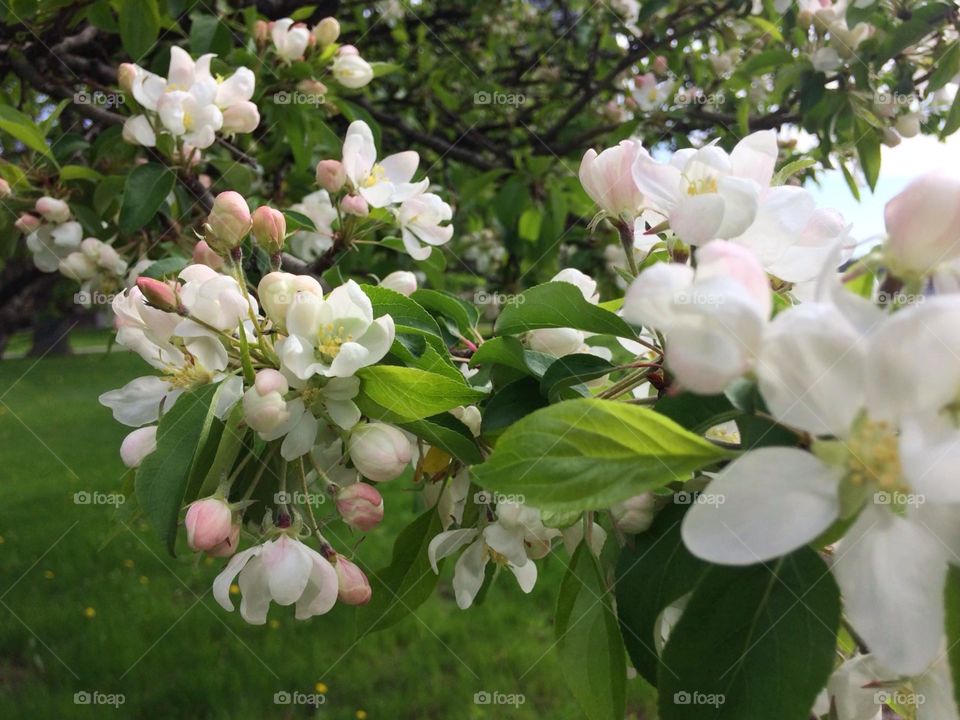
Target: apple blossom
[289, 39]
[923, 224]
[401, 281]
[53, 210]
[707, 194]
[353, 586]
[420, 219]
[137, 130]
[712, 318]
[635, 514]
[27, 223]
[608, 179]
[335, 336]
[284, 571]
[277, 291]
[381, 183]
[159, 294]
[211, 527]
[309, 245]
[203, 254]
[379, 451]
[213, 299]
[355, 205]
[822, 374]
[137, 445]
[264, 407]
[351, 70]
[360, 505]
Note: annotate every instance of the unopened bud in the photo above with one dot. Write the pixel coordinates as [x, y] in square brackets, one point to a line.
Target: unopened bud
[229, 222]
[126, 74]
[5, 190]
[361, 506]
[379, 451]
[203, 254]
[159, 294]
[53, 210]
[278, 290]
[327, 31]
[211, 527]
[660, 64]
[401, 281]
[331, 175]
[27, 223]
[346, 50]
[261, 32]
[355, 205]
[353, 586]
[635, 514]
[269, 228]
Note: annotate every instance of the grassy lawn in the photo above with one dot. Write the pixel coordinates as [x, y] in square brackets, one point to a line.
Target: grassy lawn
[122, 617]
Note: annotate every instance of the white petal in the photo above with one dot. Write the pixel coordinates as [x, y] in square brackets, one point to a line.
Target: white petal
[755, 157]
[287, 568]
[138, 402]
[230, 393]
[763, 505]
[320, 595]
[506, 541]
[254, 592]
[447, 543]
[301, 438]
[892, 574]
[223, 581]
[525, 574]
[468, 574]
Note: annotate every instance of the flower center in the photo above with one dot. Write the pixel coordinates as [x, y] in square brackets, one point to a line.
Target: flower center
[377, 174]
[874, 456]
[329, 341]
[191, 375]
[702, 186]
[497, 557]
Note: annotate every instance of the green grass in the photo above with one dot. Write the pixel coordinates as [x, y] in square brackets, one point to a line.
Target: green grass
[79, 615]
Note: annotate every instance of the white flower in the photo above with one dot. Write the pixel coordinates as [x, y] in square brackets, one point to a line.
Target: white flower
[352, 71]
[420, 219]
[214, 299]
[310, 245]
[185, 101]
[707, 194]
[289, 39]
[137, 130]
[283, 570]
[379, 451]
[923, 224]
[514, 540]
[712, 318]
[892, 460]
[608, 178]
[335, 336]
[278, 289]
[383, 183]
[51, 243]
[651, 95]
[401, 281]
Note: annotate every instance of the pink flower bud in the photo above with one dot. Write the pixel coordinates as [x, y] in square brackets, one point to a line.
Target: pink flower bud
[269, 228]
[53, 210]
[27, 223]
[203, 254]
[229, 222]
[354, 588]
[5, 190]
[211, 527]
[159, 294]
[361, 506]
[312, 87]
[137, 445]
[923, 224]
[126, 74]
[261, 31]
[327, 31]
[660, 65]
[379, 451]
[346, 50]
[355, 205]
[330, 175]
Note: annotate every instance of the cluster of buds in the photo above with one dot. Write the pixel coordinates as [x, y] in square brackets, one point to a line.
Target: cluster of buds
[230, 222]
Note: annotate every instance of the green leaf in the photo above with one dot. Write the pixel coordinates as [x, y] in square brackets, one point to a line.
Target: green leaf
[952, 123]
[139, 26]
[697, 413]
[407, 581]
[653, 571]
[408, 315]
[528, 227]
[566, 375]
[510, 404]
[15, 123]
[923, 21]
[162, 477]
[558, 305]
[208, 34]
[868, 151]
[791, 169]
[298, 221]
[79, 172]
[510, 352]
[143, 193]
[753, 643]
[384, 68]
[945, 68]
[166, 268]
[463, 314]
[414, 394]
[447, 433]
[952, 599]
[588, 640]
[589, 454]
